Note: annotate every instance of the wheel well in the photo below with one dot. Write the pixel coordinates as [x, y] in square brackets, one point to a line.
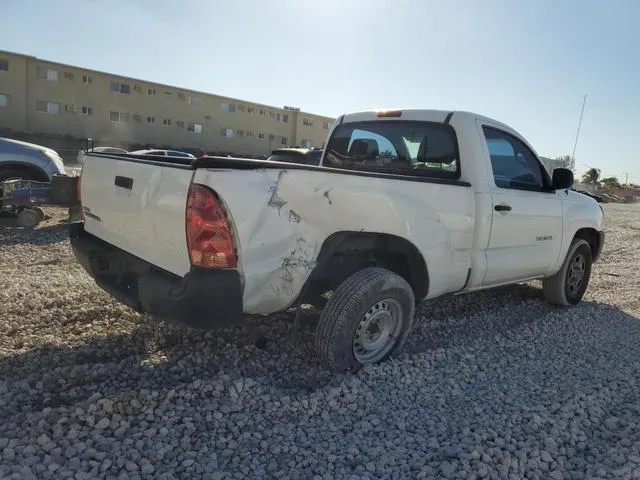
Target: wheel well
[35, 172]
[591, 236]
[344, 253]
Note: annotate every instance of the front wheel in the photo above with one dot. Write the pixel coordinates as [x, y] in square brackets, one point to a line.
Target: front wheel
[367, 319]
[568, 285]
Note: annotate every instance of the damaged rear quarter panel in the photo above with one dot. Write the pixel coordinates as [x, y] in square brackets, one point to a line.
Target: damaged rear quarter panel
[282, 218]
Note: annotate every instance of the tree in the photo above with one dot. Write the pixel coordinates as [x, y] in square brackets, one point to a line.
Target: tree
[566, 161]
[610, 183]
[591, 177]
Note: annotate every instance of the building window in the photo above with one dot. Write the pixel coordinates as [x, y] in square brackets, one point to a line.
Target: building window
[119, 87]
[151, 92]
[69, 76]
[151, 119]
[307, 122]
[261, 135]
[86, 110]
[306, 143]
[137, 117]
[240, 133]
[250, 109]
[195, 101]
[283, 140]
[52, 108]
[4, 64]
[282, 117]
[272, 137]
[4, 100]
[87, 79]
[47, 74]
[137, 88]
[249, 133]
[166, 122]
[242, 108]
[226, 132]
[180, 124]
[194, 127]
[229, 107]
[326, 125]
[272, 114]
[119, 117]
[263, 112]
[167, 94]
[182, 97]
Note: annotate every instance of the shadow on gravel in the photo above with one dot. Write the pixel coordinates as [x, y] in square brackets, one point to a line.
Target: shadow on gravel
[161, 357]
[12, 234]
[454, 320]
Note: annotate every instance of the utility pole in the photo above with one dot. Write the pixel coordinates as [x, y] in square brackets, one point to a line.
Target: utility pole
[573, 155]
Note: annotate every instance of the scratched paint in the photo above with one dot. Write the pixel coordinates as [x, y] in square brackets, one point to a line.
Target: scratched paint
[283, 217]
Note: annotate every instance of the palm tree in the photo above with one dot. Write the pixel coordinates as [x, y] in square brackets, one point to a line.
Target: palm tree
[591, 177]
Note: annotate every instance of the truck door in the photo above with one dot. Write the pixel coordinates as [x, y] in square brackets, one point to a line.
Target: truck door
[526, 226]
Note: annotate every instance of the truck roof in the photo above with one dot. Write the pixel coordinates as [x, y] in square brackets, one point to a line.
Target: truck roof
[428, 115]
[424, 115]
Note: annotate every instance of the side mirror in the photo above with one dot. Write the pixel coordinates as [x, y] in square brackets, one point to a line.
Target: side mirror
[562, 178]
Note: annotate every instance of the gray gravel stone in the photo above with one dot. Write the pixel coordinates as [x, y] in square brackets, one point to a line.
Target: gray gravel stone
[494, 384]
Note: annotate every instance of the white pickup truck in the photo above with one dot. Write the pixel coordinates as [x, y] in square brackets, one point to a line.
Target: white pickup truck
[405, 205]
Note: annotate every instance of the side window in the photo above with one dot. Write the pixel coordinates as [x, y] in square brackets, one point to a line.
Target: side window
[514, 165]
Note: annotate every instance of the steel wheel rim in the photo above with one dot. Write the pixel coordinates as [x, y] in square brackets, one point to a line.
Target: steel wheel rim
[576, 273]
[377, 331]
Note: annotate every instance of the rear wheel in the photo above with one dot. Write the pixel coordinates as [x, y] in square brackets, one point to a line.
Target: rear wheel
[568, 285]
[366, 320]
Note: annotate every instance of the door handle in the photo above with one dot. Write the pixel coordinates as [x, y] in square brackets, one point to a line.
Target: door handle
[502, 208]
[124, 182]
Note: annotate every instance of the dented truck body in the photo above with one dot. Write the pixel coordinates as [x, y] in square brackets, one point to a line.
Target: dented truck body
[451, 202]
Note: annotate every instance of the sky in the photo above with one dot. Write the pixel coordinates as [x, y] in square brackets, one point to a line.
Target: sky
[526, 63]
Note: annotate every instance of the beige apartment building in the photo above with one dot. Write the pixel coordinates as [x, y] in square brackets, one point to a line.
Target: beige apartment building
[39, 97]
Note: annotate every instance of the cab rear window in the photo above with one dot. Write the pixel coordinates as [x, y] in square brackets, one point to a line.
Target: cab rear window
[393, 146]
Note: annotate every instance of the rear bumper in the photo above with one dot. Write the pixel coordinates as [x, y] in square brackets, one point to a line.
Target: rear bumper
[206, 299]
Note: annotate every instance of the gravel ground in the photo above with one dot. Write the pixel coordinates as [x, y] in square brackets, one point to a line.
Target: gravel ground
[493, 385]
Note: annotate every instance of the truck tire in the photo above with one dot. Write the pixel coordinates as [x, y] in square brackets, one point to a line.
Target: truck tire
[568, 285]
[367, 319]
[30, 217]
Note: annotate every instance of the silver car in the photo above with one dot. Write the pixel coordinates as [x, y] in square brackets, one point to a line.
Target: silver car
[28, 161]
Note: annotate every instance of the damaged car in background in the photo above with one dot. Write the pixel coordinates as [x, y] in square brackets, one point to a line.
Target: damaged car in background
[405, 205]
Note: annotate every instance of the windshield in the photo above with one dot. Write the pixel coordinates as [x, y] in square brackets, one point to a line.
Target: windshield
[405, 147]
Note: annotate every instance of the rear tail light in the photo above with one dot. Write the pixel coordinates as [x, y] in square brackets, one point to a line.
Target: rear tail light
[209, 237]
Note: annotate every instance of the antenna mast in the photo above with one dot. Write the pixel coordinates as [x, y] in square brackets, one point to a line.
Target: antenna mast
[573, 155]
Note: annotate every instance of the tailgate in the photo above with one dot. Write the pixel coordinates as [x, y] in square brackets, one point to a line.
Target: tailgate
[139, 207]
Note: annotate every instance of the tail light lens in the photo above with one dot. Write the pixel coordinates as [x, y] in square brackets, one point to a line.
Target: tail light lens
[209, 237]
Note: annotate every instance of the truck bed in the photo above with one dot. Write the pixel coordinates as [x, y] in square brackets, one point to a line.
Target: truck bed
[282, 214]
